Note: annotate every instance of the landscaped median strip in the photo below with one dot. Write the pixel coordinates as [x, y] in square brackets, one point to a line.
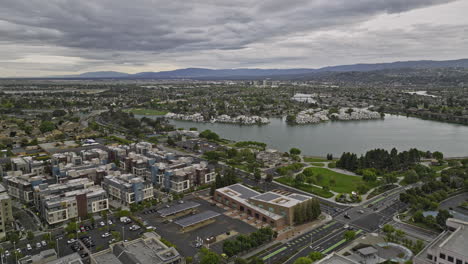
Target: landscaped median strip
[274, 253]
[293, 243]
[338, 244]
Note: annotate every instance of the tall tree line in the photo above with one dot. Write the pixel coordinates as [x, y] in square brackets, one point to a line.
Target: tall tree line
[306, 211]
[381, 159]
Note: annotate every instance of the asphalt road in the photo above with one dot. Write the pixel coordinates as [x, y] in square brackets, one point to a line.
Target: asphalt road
[318, 237]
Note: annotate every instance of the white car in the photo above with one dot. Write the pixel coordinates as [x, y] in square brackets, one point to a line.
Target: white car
[151, 227]
[18, 250]
[7, 253]
[135, 227]
[28, 246]
[109, 222]
[105, 234]
[102, 223]
[43, 243]
[71, 241]
[38, 245]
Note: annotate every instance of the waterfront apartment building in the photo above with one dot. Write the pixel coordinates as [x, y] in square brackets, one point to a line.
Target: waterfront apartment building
[76, 198]
[6, 215]
[127, 188]
[275, 207]
[450, 247]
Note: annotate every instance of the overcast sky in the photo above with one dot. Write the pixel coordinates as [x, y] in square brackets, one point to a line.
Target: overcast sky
[54, 37]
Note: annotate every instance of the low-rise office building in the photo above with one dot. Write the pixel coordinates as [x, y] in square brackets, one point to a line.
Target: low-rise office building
[450, 247]
[127, 188]
[275, 207]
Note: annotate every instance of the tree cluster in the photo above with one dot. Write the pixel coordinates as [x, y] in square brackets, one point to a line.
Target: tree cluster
[210, 135]
[244, 243]
[426, 197]
[306, 211]
[380, 159]
[229, 178]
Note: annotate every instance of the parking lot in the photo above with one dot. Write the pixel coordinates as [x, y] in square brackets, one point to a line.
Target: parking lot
[186, 241]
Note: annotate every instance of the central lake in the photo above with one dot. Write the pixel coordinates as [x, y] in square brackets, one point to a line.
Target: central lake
[337, 137]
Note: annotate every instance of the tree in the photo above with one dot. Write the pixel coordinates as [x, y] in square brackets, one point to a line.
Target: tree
[210, 135]
[257, 175]
[315, 255]
[442, 217]
[240, 261]
[438, 155]
[299, 179]
[295, 151]
[46, 126]
[256, 260]
[349, 235]
[388, 228]
[269, 177]
[209, 257]
[30, 235]
[303, 260]
[13, 237]
[71, 227]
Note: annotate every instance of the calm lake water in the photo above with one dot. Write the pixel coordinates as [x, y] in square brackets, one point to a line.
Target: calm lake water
[349, 136]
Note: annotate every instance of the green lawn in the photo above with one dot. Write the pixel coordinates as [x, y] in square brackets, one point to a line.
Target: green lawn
[314, 159]
[318, 164]
[439, 168]
[305, 187]
[343, 183]
[143, 111]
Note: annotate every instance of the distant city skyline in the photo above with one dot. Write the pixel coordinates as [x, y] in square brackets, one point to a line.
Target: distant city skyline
[49, 38]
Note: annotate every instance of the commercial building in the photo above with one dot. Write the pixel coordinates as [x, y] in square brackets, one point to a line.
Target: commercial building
[127, 188]
[450, 247]
[43, 257]
[275, 207]
[6, 215]
[146, 250]
[57, 203]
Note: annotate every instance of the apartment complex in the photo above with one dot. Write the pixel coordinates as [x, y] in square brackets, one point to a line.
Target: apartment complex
[450, 247]
[180, 175]
[20, 186]
[275, 207]
[127, 188]
[76, 198]
[6, 215]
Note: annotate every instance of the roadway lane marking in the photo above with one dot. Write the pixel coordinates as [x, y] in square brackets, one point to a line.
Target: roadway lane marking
[274, 253]
[338, 243]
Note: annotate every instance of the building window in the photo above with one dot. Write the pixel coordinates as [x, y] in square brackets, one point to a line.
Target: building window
[450, 259]
[429, 256]
[459, 261]
[442, 256]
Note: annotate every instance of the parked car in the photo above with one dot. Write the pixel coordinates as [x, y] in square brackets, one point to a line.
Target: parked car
[7, 253]
[18, 250]
[43, 243]
[109, 222]
[38, 245]
[151, 228]
[28, 246]
[71, 241]
[102, 223]
[105, 234]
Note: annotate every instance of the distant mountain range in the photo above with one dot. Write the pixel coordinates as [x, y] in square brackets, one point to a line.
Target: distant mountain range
[202, 73]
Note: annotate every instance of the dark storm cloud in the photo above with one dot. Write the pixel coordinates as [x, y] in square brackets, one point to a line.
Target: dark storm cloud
[170, 25]
[134, 32]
